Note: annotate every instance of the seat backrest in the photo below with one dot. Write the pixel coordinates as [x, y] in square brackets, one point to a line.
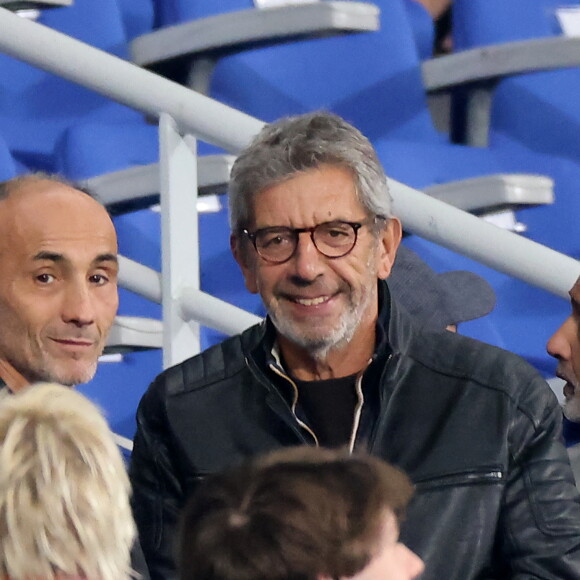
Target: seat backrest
[8, 167]
[371, 79]
[538, 109]
[422, 26]
[481, 22]
[170, 12]
[138, 16]
[36, 107]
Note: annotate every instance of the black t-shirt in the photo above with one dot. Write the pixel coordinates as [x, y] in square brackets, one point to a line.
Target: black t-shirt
[329, 406]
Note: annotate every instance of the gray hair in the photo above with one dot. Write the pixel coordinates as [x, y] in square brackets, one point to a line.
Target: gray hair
[304, 142]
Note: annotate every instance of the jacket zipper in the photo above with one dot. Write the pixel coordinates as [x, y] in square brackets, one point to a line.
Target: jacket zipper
[276, 394]
[381, 415]
[295, 402]
[469, 478]
[357, 411]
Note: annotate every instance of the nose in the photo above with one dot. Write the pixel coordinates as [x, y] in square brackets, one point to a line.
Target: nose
[414, 564]
[78, 307]
[307, 262]
[559, 344]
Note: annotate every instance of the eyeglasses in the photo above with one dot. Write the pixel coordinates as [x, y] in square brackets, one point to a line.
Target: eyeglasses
[332, 239]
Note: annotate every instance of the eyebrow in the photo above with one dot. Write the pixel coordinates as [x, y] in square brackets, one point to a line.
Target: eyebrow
[50, 256]
[56, 257]
[106, 258]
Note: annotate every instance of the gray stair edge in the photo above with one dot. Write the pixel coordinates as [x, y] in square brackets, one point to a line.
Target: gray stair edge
[15, 5]
[143, 181]
[495, 61]
[246, 27]
[492, 192]
[130, 333]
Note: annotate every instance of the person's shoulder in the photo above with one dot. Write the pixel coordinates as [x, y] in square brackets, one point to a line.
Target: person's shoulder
[217, 363]
[480, 363]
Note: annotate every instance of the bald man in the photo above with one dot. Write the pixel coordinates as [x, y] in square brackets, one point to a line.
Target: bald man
[58, 289]
[58, 286]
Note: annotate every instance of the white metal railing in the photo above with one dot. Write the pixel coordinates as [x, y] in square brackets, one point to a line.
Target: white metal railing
[223, 126]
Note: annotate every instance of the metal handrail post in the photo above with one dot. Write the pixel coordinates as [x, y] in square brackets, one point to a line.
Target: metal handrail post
[179, 239]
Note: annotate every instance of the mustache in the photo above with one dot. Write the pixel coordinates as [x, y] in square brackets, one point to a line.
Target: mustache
[567, 376]
[318, 285]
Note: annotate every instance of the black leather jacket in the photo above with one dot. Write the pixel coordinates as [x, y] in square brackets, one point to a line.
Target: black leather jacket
[476, 428]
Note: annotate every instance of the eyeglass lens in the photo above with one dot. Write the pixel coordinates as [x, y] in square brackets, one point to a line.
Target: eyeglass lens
[333, 239]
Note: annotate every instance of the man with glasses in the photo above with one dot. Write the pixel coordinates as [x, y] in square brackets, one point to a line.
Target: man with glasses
[337, 363]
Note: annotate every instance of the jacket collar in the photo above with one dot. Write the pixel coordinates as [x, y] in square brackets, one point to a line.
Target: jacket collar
[394, 321]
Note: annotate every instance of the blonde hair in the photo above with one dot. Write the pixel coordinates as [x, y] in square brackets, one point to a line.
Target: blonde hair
[64, 491]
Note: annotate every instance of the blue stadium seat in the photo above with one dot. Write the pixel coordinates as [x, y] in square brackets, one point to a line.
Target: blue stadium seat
[539, 109]
[37, 107]
[88, 149]
[532, 111]
[9, 168]
[138, 16]
[118, 387]
[422, 28]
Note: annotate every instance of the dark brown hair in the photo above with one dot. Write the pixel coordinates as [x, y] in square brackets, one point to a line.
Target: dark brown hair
[292, 515]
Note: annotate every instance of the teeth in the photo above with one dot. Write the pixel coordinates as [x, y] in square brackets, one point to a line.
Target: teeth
[311, 301]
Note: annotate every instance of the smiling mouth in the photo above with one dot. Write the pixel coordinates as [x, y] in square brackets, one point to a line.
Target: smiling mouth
[73, 342]
[311, 301]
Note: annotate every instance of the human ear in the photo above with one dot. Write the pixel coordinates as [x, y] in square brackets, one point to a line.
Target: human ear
[389, 240]
[246, 262]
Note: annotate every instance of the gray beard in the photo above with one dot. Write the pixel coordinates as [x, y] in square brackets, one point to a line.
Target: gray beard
[319, 347]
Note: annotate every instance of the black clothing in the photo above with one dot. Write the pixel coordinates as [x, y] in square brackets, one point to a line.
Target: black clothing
[329, 407]
[475, 427]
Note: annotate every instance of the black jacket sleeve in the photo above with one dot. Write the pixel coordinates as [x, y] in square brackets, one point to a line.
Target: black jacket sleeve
[539, 529]
[157, 493]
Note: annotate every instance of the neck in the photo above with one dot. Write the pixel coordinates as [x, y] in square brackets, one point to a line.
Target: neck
[13, 379]
[341, 361]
